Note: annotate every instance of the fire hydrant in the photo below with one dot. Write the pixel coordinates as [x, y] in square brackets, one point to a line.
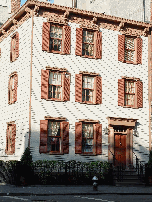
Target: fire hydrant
[95, 183]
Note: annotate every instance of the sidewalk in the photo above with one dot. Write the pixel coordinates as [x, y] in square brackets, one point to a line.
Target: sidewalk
[40, 190]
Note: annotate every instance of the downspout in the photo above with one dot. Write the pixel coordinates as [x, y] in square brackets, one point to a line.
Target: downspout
[31, 79]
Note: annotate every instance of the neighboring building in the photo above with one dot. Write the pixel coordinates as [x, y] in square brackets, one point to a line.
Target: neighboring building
[130, 9]
[74, 85]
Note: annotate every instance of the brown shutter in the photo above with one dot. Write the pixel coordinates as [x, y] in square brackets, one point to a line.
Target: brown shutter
[9, 91]
[98, 44]
[78, 138]
[44, 84]
[138, 50]
[17, 45]
[66, 39]
[98, 85]
[15, 88]
[139, 86]
[66, 87]
[45, 36]
[65, 128]
[13, 138]
[79, 36]
[43, 136]
[7, 131]
[98, 138]
[121, 92]
[11, 50]
[78, 87]
[121, 47]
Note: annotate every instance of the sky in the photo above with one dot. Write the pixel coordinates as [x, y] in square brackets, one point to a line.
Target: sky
[23, 1]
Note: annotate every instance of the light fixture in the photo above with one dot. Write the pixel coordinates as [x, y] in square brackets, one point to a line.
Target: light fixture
[135, 133]
[106, 131]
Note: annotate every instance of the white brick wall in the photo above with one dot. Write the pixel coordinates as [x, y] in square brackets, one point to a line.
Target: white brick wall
[111, 70]
[18, 112]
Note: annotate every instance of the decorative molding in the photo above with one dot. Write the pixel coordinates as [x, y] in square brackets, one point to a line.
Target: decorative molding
[12, 74]
[121, 121]
[88, 73]
[130, 78]
[88, 121]
[56, 69]
[36, 10]
[10, 123]
[55, 118]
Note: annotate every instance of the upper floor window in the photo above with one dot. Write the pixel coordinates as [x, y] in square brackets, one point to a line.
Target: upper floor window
[56, 38]
[54, 136]
[88, 43]
[10, 138]
[55, 84]
[129, 49]
[88, 88]
[130, 92]
[12, 88]
[14, 52]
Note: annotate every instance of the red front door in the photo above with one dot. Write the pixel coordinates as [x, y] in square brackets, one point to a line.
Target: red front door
[120, 149]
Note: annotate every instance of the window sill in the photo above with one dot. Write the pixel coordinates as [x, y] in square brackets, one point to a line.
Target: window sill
[90, 57]
[55, 153]
[130, 107]
[54, 100]
[88, 154]
[87, 103]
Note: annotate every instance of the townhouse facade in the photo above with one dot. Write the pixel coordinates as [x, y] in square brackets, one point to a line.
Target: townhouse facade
[74, 85]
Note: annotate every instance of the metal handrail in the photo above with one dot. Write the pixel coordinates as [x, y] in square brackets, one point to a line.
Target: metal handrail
[139, 167]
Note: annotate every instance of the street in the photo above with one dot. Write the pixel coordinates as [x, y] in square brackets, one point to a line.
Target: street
[78, 198]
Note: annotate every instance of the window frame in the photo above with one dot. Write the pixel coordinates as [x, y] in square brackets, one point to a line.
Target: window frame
[127, 49]
[93, 90]
[86, 43]
[9, 149]
[14, 49]
[127, 81]
[12, 91]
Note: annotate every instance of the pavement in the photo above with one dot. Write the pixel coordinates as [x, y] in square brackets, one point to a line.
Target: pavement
[41, 190]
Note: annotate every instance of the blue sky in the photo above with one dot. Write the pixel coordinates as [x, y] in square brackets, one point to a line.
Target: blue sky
[23, 1]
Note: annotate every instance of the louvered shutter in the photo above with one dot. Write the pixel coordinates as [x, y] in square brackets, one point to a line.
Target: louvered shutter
[79, 37]
[66, 39]
[121, 92]
[45, 36]
[44, 84]
[98, 81]
[9, 83]
[17, 45]
[15, 88]
[138, 51]
[98, 44]
[121, 47]
[7, 132]
[78, 87]
[98, 138]
[13, 138]
[66, 87]
[139, 86]
[11, 58]
[65, 141]
[43, 136]
[78, 138]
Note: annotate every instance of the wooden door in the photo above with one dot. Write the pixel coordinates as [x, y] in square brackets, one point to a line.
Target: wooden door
[120, 149]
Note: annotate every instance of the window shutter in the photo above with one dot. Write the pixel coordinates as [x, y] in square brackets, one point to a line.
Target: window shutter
[65, 128]
[139, 86]
[66, 87]
[11, 58]
[78, 138]
[15, 88]
[121, 47]
[45, 36]
[66, 39]
[7, 131]
[44, 84]
[43, 136]
[98, 138]
[79, 36]
[98, 81]
[17, 45]
[138, 51]
[9, 102]
[78, 87]
[13, 138]
[98, 44]
[121, 90]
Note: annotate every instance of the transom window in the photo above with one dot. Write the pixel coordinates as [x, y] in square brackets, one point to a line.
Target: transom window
[87, 137]
[129, 93]
[129, 49]
[55, 38]
[88, 89]
[88, 43]
[54, 138]
[55, 85]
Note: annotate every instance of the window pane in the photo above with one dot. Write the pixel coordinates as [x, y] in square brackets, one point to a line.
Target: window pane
[87, 145]
[87, 130]
[129, 43]
[88, 82]
[55, 78]
[53, 128]
[55, 144]
[88, 49]
[88, 36]
[129, 55]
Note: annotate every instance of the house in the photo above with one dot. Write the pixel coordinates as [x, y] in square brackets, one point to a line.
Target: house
[75, 85]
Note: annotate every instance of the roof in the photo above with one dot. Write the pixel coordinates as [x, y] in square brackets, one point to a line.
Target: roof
[89, 19]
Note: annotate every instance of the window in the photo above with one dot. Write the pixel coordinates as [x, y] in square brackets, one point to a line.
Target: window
[88, 88]
[130, 92]
[10, 138]
[54, 136]
[55, 84]
[12, 88]
[56, 38]
[88, 137]
[14, 52]
[88, 43]
[130, 49]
